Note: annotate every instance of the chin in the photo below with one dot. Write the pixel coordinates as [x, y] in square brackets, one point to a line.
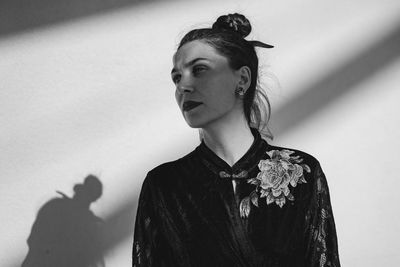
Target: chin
[200, 120]
[194, 124]
[199, 123]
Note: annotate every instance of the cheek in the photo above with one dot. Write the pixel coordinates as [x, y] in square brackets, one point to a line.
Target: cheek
[223, 93]
[221, 101]
[219, 86]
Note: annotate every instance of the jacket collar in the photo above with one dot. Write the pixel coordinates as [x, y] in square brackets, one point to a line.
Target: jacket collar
[241, 169]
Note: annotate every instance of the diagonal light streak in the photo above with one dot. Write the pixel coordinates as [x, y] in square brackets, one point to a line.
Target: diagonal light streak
[335, 84]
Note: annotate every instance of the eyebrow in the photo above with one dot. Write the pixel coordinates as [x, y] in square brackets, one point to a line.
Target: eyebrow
[190, 63]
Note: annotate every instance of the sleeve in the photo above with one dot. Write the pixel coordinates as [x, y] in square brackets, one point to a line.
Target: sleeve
[149, 246]
[322, 247]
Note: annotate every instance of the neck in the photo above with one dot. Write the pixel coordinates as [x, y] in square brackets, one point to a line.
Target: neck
[229, 140]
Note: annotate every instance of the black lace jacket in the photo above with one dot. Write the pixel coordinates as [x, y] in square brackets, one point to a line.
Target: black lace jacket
[278, 214]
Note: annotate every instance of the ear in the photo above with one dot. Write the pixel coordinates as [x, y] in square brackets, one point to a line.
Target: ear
[244, 77]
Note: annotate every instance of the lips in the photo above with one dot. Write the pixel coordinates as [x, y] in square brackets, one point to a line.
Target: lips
[188, 105]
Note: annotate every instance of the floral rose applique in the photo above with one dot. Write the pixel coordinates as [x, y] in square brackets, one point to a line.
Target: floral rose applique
[274, 178]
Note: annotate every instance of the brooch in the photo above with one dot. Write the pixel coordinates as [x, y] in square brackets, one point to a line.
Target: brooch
[276, 174]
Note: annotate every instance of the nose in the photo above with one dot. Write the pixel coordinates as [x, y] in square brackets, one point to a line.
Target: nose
[185, 85]
[184, 89]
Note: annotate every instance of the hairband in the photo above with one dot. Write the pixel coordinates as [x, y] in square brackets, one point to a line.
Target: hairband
[253, 42]
[260, 44]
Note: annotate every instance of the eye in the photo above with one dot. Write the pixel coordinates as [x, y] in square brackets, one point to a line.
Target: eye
[199, 69]
[176, 78]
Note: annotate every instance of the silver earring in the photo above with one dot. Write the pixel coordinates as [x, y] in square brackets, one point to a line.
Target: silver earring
[239, 91]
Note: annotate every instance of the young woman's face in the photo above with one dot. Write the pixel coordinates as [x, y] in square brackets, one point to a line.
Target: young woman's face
[205, 84]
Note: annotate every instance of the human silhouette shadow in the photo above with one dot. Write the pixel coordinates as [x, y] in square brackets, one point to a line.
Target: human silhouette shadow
[65, 232]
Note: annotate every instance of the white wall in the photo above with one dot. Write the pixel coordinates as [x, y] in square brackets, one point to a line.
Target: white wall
[94, 95]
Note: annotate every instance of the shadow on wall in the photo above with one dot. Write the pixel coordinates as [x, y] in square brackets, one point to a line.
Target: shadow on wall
[23, 15]
[336, 84]
[66, 233]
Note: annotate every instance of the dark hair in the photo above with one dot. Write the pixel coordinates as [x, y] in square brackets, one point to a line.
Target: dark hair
[227, 36]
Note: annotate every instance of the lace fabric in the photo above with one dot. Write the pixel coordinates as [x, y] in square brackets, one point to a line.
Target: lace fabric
[322, 249]
[145, 232]
[149, 249]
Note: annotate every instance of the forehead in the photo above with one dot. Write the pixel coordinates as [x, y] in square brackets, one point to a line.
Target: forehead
[196, 49]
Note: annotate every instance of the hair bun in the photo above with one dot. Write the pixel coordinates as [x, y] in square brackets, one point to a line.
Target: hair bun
[233, 22]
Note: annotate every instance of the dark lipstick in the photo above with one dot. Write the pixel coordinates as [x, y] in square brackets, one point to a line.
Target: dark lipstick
[188, 105]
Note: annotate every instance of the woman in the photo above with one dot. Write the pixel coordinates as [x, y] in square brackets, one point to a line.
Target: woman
[235, 200]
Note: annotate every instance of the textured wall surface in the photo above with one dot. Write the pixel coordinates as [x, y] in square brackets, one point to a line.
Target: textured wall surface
[86, 89]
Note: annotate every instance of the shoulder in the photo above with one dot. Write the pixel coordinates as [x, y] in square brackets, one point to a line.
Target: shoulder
[299, 164]
[170, 167]
[168, 173]
[292, 153]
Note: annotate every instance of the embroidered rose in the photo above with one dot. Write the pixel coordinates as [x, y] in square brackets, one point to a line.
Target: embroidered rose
[276, 174]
